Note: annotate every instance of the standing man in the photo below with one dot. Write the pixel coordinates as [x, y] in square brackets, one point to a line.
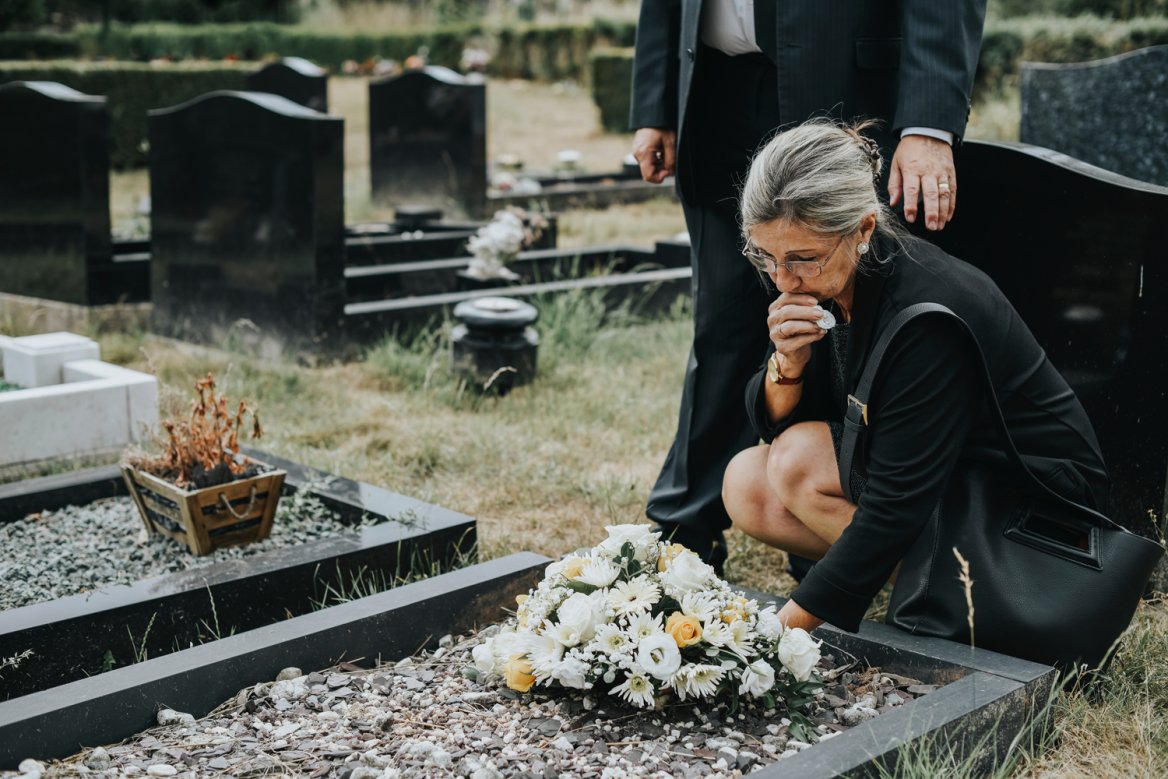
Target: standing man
[712, 79]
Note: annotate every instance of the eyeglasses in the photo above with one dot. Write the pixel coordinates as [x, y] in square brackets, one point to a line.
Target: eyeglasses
[765, 261]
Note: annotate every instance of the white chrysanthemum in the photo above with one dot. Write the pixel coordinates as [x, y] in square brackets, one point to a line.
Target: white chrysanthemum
[716, 633]
[642, 537]
[544, 652]
[564, 633]
[697, 680]
[644, 625]
[768, 625]
[634, 596]
[739, 638]
[571, 672]
[659, 656]
[702, 605]
[637, 689]
[757, 679]
[687, 573]
[612, 640]
[599, 573]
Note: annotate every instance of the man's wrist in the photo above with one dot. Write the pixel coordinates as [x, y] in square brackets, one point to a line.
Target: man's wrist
[929, 132]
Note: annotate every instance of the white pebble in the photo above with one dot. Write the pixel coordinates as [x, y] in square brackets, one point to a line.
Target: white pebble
[161, 769]
[30, 769]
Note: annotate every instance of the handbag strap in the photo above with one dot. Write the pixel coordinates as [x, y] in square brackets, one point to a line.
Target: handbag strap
[856, 414]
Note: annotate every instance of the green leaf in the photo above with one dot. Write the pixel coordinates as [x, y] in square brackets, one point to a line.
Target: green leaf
[582, 587]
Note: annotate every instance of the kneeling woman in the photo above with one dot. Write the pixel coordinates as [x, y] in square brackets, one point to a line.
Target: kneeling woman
[814, 225]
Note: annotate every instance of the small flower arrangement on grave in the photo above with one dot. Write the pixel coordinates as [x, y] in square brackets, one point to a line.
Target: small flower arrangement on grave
[649, 622]
[203, 449]
[499, 241]
[201, 489]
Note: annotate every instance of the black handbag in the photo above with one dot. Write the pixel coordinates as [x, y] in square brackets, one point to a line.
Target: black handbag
[1053, 581]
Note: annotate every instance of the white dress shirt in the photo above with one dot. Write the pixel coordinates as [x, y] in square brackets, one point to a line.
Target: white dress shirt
[728, 26]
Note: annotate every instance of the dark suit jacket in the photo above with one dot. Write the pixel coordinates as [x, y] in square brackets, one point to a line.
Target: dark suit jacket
[927, 411]
[908, 62]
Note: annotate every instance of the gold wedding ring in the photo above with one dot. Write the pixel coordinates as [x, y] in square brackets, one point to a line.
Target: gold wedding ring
[943, 186]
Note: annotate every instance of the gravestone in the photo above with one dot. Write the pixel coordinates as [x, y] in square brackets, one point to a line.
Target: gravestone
[247, 219]
[54, 195]
[295, 78]
[1111, 112]
[1080, 253]
[428, 139]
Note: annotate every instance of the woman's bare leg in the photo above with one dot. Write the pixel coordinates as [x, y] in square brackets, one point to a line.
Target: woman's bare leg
[802, 471]
[757, 511]
[788, 494]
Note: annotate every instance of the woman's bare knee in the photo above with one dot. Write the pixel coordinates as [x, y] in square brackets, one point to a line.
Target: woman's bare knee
[801, 464]
[744, 488]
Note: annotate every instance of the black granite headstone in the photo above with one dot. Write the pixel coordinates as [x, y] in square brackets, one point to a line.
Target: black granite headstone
[54, 194]
[295, 78]
[428, 139]
[247, 218]
[1080, 253]
[1112, 112]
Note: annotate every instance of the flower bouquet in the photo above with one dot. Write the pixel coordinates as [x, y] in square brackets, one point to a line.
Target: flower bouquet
[649, 622]
[500, 241]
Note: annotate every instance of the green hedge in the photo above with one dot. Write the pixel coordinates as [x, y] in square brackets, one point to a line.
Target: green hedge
[33, 45]
[1055, 39]
[612, 75]
[131, 90]
[542, 52]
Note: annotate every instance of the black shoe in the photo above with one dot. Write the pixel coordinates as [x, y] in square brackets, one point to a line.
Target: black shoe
[711, 548]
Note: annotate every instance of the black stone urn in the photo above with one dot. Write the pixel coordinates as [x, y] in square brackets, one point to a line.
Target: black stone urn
[494, 343]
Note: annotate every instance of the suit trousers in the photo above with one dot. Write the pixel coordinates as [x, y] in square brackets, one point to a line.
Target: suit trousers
[733, 108]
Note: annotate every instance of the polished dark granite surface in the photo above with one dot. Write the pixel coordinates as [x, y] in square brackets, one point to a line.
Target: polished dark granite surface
[1112, 112]
[248, 218]
[428, 139]
[1080, 253]
[295, 78]
[54, 195]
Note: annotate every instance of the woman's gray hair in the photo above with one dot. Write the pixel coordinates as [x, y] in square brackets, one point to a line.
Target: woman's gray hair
[821, 175]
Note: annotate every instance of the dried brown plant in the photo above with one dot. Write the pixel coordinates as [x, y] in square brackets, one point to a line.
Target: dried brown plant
[203, 449]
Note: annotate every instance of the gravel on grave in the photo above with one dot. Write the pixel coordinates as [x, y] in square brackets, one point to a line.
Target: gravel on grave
[421, 717]
[84, 548]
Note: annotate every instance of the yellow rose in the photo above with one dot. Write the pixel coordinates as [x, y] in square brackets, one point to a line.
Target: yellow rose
[574, 567]
[517, 673]
[686, 631]
[667, 555]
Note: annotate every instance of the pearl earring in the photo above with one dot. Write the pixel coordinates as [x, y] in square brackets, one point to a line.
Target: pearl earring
[862, 248]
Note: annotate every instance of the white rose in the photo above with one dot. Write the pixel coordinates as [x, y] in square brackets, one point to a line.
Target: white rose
[769, 626]
[799, 653]
[641, 537]
[578, 613]
[687, 572]
[757, 679]
[484, 658]
[570, 673]
[659, 656]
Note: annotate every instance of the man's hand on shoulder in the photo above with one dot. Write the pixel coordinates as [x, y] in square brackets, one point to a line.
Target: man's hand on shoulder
[922, 167]
[655, 149]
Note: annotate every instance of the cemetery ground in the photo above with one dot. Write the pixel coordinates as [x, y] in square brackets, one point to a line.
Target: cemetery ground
[548, 466]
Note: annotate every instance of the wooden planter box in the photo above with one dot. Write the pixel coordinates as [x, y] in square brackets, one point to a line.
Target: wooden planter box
[209, 518]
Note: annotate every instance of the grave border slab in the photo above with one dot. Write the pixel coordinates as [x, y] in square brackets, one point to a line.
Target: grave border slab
[236, 587]
[115, 705]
